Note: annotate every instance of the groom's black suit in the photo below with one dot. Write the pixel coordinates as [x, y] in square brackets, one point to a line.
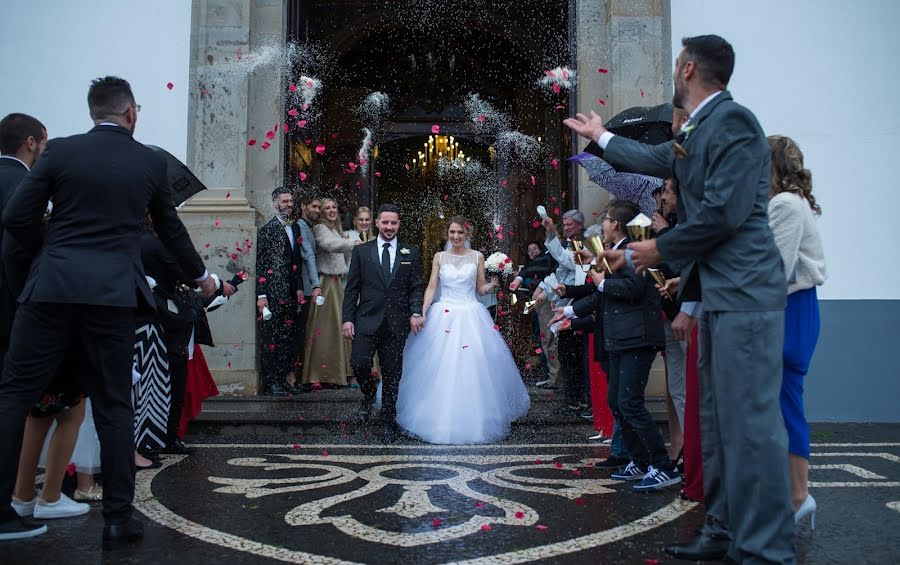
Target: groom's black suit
[380, 307]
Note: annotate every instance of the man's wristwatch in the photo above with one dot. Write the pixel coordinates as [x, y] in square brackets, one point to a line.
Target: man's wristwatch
[417, 315]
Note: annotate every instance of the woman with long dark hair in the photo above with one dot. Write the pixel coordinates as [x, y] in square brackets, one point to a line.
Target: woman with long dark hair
[792, 217]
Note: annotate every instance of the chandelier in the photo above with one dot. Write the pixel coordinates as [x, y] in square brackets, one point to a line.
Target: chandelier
[437, 147]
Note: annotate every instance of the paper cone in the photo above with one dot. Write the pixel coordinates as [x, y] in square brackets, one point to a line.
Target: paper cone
[528, 306]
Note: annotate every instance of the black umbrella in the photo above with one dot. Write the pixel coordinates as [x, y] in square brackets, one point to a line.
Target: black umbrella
[181, 180]
[647, 124]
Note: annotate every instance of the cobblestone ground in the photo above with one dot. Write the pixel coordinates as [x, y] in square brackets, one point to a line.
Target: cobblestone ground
[333, 494]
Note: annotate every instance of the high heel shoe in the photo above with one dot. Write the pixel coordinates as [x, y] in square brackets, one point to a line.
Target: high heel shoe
[807, 508]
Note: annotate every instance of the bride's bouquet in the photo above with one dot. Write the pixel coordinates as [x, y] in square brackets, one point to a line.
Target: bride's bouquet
[498, 264]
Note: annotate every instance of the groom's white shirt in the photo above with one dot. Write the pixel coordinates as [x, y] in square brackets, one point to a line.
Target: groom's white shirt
[392, 250]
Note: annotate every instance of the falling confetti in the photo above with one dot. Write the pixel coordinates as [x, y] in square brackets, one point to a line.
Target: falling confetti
[170, 86]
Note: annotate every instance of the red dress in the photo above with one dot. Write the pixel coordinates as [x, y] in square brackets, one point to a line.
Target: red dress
[603, 417]
[200, 386]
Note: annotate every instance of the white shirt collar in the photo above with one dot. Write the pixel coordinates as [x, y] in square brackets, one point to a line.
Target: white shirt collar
[382, 241]
[109, 124]
[618, 243]
[704, 103]
[15, 159]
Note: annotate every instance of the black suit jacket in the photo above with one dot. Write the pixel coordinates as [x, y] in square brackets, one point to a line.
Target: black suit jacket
[101, 184]
[370, 298]
[631, 311]
[279, 267]
[11, 174]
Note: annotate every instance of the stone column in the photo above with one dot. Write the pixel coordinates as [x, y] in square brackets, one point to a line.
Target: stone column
[632, 40]
[223, 112]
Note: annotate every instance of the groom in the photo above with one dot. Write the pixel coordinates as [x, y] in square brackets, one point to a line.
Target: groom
[382, 299]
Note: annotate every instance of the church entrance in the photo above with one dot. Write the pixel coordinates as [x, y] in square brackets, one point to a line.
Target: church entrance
[437, 108]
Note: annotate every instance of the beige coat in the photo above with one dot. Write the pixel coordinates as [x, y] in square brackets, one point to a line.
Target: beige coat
[333, 251]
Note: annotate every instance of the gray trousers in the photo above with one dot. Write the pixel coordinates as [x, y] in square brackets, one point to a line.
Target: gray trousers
[548, 340]
[676, 365]
[746, 485]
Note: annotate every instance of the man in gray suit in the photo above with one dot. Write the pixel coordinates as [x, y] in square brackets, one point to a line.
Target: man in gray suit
[722, 164]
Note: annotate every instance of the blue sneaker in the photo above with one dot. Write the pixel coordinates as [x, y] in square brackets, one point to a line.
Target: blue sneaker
[657, 479]
[631, 472]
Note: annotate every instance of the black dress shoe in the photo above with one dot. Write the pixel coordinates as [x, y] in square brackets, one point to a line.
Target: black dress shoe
[612, 462]
[391, 434]
[701, 548]
[119, 535]
[150, 454]
[177, 447]
[277, 389]
[364, 412]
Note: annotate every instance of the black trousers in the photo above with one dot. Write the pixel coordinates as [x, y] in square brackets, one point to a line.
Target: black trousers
[178, 380]
[280, 341]
[42, 335]
[570, 348]
[389, 346]
[628, 374]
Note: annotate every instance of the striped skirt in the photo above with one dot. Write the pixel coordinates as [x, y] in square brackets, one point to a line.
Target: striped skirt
[152, 393]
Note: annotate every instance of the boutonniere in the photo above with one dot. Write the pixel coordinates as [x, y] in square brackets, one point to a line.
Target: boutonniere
[686, 129]
[404, 251]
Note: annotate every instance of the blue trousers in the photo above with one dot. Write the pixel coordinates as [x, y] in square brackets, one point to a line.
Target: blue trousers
[801, 332]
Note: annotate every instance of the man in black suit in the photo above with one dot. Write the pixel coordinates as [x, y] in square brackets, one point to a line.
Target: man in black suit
[382, 303]
[22, 140]
[723, 167]
[279, 291]
[83, 288]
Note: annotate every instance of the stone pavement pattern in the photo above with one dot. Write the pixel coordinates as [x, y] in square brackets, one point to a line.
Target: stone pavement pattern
[332, 494]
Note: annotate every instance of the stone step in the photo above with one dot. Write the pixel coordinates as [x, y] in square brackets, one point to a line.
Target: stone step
[339, 404]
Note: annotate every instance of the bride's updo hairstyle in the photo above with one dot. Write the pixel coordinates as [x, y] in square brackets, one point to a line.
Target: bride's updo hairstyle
[460, 221]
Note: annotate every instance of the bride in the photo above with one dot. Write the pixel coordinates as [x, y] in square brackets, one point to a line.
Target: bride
[460, 384]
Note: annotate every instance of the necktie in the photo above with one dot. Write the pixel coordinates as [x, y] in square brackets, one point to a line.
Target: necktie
[386, 261]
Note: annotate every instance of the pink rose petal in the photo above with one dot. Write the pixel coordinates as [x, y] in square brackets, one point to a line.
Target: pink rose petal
[601, 101]
[302, 176]
[541, 527]
[435, 129]
[270, 134]
[481, 118]
[251, 142]
[556, 88]
[302, 124]
[170, 86]
[601, 70]
[320, 149]
[293, 112]
[265, 145]
[554, 163]
[292, 87]
[479, 505]
[486, 528]
[436, 523]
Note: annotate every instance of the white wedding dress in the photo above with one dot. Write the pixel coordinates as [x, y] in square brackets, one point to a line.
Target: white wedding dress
[460, 384]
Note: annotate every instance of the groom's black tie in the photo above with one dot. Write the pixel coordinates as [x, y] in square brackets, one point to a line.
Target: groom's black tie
[386, 261]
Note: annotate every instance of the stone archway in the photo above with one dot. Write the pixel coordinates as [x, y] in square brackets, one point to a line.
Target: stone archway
[632, 39]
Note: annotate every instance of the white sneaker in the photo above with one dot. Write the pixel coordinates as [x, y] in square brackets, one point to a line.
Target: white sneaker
[24, 509]
[65, 507]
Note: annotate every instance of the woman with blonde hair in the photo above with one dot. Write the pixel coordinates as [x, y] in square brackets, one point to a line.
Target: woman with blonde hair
[362, 225]
[792, 217]
[327, 358]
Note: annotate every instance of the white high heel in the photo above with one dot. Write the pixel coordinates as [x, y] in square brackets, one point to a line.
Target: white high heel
[807, 508]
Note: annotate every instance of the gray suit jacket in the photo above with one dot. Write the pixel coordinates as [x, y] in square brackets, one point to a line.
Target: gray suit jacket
[723, 227]
[310, 273]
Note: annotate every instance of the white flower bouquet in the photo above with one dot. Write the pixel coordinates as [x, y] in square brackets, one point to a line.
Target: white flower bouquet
[498, 264]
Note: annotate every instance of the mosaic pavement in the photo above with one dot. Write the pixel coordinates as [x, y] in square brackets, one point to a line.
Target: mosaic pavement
[343, 502]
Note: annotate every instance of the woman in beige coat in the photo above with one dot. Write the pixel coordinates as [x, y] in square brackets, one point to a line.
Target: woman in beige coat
[327, 358]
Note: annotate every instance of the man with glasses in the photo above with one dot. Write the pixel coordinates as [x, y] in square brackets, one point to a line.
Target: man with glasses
[86, 282]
